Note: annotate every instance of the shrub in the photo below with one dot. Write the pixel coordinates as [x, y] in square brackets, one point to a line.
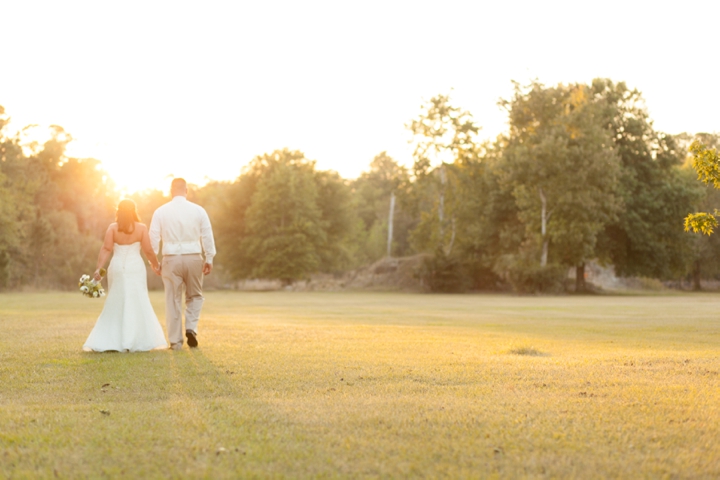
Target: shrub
[536, 279]
[443, 273]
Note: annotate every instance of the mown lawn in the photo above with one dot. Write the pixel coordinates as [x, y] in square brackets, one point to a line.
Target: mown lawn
[289, 385]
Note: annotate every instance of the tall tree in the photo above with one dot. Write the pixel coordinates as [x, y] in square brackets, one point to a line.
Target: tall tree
[284, 219]
[53, 210]
[339, 222]
[706, 162]
[704, 257]
[284, 230]
[374, 190]
[488, 219]
[9, 232]
[445, 136]
[230, 223]
[646, 238]
[562, 169]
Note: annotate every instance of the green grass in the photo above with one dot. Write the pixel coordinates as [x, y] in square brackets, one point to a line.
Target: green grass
[369, 385]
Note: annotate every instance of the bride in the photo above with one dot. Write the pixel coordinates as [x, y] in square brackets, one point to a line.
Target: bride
[127, 321]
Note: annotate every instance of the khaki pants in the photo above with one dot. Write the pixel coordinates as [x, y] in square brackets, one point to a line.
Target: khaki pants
[180, 271]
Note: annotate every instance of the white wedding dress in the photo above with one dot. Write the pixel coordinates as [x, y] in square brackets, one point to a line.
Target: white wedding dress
[127, 322]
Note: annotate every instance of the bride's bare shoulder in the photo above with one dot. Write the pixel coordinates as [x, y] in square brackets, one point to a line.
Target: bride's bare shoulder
[110, 234]
[141, 229]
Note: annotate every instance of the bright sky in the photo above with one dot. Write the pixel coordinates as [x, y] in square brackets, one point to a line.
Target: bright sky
[197, 89]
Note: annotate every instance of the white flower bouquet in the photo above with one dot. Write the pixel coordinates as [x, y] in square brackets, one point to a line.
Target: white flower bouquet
[90, 287]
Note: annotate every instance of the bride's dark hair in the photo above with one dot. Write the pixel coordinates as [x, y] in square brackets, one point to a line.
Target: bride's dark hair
[126, 216]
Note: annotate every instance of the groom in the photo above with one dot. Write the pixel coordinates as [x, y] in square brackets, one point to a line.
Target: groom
[186, 234]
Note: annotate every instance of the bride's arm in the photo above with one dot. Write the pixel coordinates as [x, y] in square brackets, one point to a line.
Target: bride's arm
[105, 252]
[148, 250]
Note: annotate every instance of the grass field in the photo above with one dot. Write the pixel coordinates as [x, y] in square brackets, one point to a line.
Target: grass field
[288, 385]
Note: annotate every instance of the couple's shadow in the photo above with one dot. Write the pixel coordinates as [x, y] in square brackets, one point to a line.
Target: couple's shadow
[186, 375]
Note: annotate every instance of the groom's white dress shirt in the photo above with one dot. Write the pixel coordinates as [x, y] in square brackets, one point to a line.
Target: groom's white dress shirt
[184, 228]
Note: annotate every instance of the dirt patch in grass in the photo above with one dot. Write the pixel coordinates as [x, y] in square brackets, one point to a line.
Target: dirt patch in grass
[528, 351]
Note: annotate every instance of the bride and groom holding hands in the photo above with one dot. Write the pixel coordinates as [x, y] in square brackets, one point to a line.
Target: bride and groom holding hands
[127, 321]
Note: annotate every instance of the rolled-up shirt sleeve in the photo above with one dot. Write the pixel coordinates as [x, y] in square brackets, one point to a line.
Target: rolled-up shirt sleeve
[206, 235]
[155, 229]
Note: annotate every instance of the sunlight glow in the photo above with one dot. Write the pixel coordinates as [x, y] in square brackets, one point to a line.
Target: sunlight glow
[199, 90]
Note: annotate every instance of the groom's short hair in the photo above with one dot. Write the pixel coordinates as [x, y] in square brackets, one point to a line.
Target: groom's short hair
[178, 185]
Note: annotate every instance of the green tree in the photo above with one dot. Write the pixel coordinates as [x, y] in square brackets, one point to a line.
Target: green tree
[54, 196]
[339, 222]
[230, 223]
[562, 169]
[704, 256]
[645, 239]
[489, 226]
[376, 192]
[284, 219]
[445, 137]
[706, 247]
[9, 232]
[706, 163]
[284, 224]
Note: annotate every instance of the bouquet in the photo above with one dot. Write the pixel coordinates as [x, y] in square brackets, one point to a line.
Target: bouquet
[90, 287]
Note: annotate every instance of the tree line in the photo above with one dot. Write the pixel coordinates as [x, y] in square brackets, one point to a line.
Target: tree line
[580, 175]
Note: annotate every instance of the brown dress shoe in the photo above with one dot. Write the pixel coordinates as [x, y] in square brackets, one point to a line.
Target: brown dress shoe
[192, 338]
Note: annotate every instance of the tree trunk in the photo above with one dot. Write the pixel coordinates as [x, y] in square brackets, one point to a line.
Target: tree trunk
[449, 248]
[441, 205]
[390, 224]
[580, 285]
[696, 276]
[543, 227]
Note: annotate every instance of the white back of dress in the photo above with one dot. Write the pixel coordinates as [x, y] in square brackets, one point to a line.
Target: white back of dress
[127, 321]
